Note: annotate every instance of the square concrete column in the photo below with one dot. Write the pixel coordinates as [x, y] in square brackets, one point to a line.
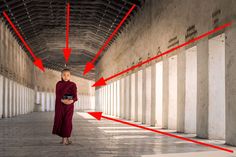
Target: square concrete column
[17, 99]
[14, 97]
[159, 94]
[101, 99]
[104, 99]
[140, 94]
[153, 95]
[97, 103]
[5, 97]
[134, 96]
[165, 92]
[118, 99]
[133, 99]
[20, 99]
[48, 101]
[202, 89]
[148, 95]
[43, 101]
[1, 96]
[111, 98]
[128, 97]
[122, 98]
[181, 70]
[143, 88]
[23, 99]
[230, 86]
[114, 98]
[26, 100]
[10, 101]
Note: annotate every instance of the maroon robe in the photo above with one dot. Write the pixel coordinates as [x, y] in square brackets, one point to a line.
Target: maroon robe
[64, 113]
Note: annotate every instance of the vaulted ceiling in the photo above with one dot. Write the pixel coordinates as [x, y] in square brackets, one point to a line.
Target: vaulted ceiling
[42, 23]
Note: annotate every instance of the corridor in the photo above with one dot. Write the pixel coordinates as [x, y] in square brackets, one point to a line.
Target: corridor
[119, 78]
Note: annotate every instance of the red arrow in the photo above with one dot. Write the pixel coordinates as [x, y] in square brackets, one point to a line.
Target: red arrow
[37, 61]
[98, 116]
[90, 65]
[102, 81]
[67, 50]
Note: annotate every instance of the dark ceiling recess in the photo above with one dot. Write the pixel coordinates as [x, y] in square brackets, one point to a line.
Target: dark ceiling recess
[42, 23]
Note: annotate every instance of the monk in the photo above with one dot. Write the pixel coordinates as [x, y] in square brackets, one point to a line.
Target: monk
[66, 95]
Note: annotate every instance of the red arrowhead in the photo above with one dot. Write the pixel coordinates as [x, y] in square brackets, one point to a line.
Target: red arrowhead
[67, 52]
[97, 115]
[89, 66]
[100, 82]
[39, 64]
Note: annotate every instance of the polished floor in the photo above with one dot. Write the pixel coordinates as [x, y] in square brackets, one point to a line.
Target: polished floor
[30, 135]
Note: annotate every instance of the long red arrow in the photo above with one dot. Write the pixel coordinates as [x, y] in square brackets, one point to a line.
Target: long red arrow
[98, 116]
[67, 50]
[37, 61]
[102, 81]
[90, 65]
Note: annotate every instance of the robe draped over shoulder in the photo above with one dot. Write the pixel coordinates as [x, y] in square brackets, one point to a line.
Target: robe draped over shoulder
[63, 113]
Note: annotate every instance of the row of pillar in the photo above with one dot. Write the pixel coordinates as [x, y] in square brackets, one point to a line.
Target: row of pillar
[188, 92]
[45, 101]
[15, 98]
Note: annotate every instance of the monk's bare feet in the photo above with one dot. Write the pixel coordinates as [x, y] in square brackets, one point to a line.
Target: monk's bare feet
[66, 141]
[69, 141]
[61, 141]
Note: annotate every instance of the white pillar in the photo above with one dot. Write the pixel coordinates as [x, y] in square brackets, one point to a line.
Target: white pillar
[202, 88]
[230, 86]
[1, 96]
[122, 98]
[53, 102]
[153, 95]
[10, 102]
[148, 95]
[20, 99]
[140, 95]
[191, 90]
[181, 70]
[133, 98]
[144, 96]
[115, 98]
[172, 110]
[112, 99]
[159, 93]
[14, 98]
[118, 98]
[5, 97]
[42, 101]
[165, 93]
[216, 117]
[17, 98]
[127, 97]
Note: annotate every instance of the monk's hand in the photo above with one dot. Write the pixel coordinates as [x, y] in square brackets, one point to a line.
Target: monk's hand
[70, 101]
[67, 101]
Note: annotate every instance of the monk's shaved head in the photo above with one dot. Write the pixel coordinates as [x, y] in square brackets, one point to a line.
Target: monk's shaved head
[65, 70]
[65, 74]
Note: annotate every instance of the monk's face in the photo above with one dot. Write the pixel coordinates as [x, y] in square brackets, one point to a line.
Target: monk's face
[65, 75]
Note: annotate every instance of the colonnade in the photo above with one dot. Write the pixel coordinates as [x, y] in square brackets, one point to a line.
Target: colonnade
[15, 98]
[16, 79]
[183, 92]
[45, 101]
